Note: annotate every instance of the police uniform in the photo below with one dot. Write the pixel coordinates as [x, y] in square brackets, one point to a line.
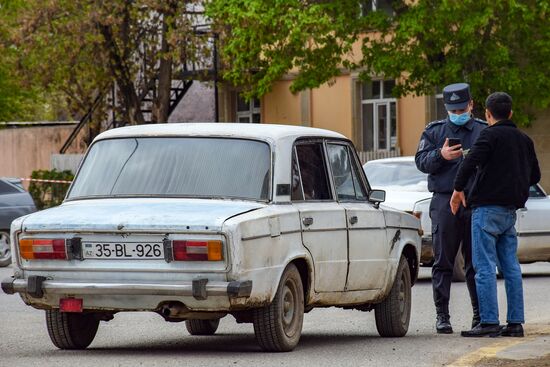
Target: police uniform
[448, 230]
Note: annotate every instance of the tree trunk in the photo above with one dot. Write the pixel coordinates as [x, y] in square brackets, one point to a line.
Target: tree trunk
[130, 100]
[161, 103]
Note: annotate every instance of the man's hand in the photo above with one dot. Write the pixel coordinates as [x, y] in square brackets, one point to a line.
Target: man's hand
[450, 153]
[457, 199]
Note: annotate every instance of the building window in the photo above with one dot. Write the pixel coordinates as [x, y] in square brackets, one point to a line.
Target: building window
[248, 111]
[368, 6]
[379, 115]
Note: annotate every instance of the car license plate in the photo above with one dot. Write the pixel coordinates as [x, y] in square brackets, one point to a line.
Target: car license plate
[115, 250]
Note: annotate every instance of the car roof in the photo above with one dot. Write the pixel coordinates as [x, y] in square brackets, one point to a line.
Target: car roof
[235, 130]
[393, 160]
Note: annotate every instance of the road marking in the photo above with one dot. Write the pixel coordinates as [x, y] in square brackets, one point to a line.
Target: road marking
[490, 351]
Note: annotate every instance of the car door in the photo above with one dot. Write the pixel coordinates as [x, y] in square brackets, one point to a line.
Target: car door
[368, 250]
[323, 220]
[533, 227]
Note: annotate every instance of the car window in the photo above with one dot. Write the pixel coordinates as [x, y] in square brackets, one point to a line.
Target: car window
[6, 188]
[345, 176]
[536, 192]
[313, 171]
[297, 193]
[402, 174]
[168, 166]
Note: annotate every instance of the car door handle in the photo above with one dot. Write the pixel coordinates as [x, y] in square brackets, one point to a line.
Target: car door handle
[307, 221]
[353, 219]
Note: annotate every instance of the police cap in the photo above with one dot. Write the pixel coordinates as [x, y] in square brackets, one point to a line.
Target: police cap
[456, 96]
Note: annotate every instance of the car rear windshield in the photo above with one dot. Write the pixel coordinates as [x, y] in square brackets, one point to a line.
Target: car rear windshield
[397, 175]
[181, 167]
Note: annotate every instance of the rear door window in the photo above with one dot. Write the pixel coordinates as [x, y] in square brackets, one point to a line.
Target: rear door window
[313, 173]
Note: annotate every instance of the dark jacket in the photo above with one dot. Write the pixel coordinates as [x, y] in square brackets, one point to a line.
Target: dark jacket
[506, 166]
[442, 173]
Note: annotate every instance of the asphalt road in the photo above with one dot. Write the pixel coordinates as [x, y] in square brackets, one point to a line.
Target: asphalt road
[331, 337]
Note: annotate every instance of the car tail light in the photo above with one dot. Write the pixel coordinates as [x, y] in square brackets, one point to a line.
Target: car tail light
[52, 249]
[197, 250]
[417, 214]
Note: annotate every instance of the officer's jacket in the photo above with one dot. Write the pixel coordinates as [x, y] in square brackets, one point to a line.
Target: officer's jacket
[441, 173]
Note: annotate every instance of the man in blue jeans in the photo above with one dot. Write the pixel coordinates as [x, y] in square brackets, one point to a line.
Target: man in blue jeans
[506, 166]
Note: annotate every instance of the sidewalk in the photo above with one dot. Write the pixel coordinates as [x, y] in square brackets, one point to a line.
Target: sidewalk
[533, 350]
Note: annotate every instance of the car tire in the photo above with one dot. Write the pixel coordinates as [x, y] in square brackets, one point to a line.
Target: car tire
[278, 327]
[202, 327]
[71, 330]
[394, 313]
[5, 249]
[459, 274]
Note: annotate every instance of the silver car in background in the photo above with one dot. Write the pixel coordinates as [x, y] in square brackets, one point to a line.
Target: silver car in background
[15, 202]
[407, 189]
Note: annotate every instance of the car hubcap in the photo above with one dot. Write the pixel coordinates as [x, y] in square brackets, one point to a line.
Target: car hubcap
[4, 245]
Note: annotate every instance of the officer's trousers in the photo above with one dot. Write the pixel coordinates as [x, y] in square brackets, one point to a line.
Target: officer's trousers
[448, 232]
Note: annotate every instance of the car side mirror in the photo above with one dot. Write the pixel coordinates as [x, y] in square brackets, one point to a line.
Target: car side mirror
[376, 197]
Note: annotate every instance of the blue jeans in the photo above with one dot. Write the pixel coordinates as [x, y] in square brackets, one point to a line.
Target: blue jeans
[494, 239]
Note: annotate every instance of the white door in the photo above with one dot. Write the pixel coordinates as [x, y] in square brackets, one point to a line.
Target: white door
[368, 250]
[533, 227]
[323, 220]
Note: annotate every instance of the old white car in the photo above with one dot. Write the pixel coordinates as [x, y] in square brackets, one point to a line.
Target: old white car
[198, 221]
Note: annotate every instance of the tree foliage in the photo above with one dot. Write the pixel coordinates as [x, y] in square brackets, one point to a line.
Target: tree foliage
[85, 47]
[493, 45]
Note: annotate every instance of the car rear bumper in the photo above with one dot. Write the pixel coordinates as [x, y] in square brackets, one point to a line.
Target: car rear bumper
[200, 289]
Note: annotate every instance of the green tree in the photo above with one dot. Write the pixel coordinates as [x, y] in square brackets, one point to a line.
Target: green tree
[493, 45]
[82, 48]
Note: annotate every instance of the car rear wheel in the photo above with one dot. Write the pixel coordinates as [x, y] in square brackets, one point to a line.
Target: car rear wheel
[278, 327]
[5, 250]
[71, 330]
[202, 327]
[394, 313]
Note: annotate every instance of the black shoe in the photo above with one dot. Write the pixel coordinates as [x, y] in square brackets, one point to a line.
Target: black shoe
[481, 330]
[443, 325]
[475, 321]
[514, 330]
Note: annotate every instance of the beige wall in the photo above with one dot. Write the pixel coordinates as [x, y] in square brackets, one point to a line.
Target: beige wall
[282, 107]
[411, 121]
[25, 149]
[331, 106]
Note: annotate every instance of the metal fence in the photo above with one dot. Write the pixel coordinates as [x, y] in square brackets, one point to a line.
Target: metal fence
[378, 154]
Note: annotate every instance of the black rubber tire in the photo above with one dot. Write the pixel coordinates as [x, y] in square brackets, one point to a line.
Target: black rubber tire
[394, 313]
[5, 254]
[202, 327]
[278, 327]
[459, 274]
[71, 330]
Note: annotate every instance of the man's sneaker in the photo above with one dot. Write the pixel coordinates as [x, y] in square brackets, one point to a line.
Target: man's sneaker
[482, 330]
[443, 325]
[514, 330]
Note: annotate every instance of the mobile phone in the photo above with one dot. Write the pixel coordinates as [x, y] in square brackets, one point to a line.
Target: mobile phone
[454, 141]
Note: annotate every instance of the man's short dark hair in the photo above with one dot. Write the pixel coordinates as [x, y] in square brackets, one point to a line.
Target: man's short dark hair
[499, 104]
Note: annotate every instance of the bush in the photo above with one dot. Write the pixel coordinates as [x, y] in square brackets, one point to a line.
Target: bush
[48, 194]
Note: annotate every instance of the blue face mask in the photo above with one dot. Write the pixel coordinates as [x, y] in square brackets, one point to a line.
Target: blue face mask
[459, 120]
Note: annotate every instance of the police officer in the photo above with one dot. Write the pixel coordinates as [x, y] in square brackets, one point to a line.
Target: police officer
[440, 153]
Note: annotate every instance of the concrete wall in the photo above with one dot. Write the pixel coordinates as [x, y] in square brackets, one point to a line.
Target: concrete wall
[25, 149]
[281, 106]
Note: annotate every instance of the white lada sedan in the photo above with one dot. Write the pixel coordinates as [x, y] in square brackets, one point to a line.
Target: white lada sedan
[198, 221]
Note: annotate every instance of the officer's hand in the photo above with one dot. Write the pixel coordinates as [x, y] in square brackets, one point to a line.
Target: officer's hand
[457, 199]
[450, 153]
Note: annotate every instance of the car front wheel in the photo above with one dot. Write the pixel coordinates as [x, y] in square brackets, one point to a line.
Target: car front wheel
[5, 250]
[71, 330]
[394, 313]
[278, 327]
